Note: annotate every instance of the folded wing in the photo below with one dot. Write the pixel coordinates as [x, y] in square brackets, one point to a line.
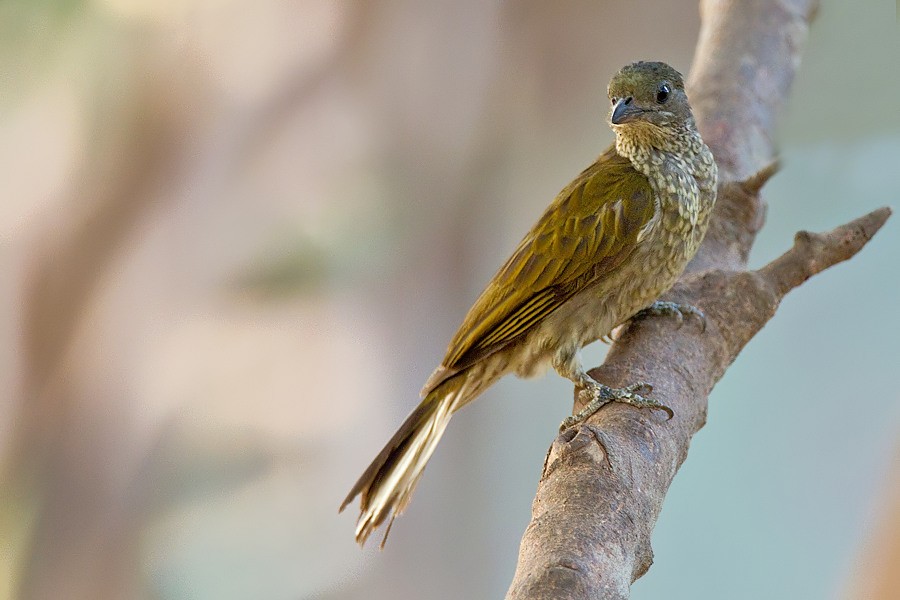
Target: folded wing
[589, 229]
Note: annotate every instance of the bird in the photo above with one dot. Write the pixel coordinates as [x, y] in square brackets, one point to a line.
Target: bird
[611, 242]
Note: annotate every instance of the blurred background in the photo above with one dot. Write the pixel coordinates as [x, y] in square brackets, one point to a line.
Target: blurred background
[236, 237]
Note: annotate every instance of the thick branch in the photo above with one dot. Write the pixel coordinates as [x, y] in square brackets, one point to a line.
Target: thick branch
[604, 483]
[747, 54]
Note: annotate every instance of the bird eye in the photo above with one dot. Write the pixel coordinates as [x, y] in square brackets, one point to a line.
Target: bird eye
[662, 93]
[613, 100]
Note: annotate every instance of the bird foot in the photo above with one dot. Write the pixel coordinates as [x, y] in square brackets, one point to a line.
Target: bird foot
[600, 395]
[661, 308]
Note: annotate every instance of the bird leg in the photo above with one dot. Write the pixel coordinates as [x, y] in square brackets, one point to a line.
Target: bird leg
[600, 395]
[662, 308]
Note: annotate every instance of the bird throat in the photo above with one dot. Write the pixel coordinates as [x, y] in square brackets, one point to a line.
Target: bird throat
[651, 148]
[679, 167]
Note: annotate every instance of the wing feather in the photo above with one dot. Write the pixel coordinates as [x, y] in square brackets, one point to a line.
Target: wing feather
[588, 230]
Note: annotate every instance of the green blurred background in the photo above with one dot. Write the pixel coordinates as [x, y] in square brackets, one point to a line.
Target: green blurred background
[236, 238]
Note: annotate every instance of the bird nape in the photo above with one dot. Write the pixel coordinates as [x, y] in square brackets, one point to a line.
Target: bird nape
[614, 239]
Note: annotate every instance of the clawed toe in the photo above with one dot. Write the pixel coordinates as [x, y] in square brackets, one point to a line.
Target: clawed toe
[673, 309]
[601, 395]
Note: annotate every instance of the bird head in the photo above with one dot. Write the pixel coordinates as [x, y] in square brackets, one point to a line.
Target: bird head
[648, 100]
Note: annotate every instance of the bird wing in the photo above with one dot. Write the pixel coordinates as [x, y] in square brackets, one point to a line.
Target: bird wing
[588, 230]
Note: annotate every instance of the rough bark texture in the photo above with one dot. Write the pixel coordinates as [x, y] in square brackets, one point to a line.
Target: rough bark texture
[604, 482]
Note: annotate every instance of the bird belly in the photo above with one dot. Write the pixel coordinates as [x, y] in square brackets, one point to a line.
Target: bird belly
[594, 312]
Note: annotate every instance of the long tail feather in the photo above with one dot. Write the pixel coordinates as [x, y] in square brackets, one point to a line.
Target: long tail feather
[387, 484]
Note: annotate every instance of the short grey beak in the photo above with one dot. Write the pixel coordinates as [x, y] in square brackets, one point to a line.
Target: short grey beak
[625, 111]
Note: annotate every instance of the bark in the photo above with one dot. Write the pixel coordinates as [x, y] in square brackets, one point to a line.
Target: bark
[604, 482]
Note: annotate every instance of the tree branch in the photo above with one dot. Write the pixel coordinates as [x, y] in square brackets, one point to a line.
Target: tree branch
[604, 482]
[813, 252]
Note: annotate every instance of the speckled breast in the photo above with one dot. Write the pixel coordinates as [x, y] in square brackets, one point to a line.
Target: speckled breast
[685, 194]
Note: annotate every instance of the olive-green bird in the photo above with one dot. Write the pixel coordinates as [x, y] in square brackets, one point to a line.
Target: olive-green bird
[611, 242]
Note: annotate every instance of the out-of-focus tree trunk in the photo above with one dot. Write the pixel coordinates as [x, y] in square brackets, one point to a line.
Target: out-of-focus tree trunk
[876, 575]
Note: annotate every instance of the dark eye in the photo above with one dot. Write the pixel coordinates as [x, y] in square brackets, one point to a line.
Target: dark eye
[662, 93]
[613, 100]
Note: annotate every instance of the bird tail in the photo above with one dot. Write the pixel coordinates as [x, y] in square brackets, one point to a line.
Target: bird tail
[388, 483]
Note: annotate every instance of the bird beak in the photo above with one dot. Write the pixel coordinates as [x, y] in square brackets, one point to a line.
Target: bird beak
[625, 111]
